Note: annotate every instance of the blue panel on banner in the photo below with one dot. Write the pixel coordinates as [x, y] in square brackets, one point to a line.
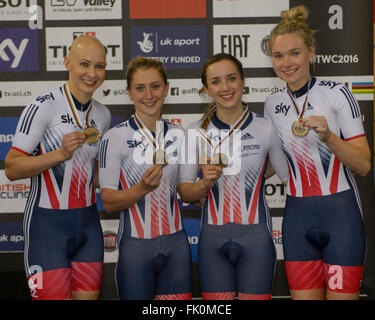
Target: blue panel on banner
[11, 236]
[19, 49]
[99, 203]
[7, 130]
[192, 229]
[178, 47]
[116, 119]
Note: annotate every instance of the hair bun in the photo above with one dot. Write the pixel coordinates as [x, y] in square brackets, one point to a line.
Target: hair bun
[295, 14]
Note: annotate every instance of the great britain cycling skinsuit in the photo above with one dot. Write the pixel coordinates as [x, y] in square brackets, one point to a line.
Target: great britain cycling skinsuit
[236, 250]
[323, 233]
[63, 237]
[154, 255]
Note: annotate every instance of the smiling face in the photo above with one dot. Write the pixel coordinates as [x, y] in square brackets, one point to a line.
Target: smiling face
[224, 84]
[291, 60]
[86, 64]
[148, 91]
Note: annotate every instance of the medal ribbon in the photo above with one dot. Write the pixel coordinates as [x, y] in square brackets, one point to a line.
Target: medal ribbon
[156, 143]
[300, 115]
[73, 108]
[237, 125]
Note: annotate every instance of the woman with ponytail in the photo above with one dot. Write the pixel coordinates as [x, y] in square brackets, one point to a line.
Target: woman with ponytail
[232, 147]
[324, 140]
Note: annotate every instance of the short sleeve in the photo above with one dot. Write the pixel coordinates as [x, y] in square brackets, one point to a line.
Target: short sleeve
[110, 160]
[34, 121]
[348, 114]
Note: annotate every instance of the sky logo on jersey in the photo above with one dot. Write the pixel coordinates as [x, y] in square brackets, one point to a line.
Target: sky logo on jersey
[282, 108]
[18, 50]
[177, 47]
[7, 130]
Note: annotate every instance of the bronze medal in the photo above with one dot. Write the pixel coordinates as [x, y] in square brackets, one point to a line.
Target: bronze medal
[299, 129]
[160, 158]
[92, 135]
[220, 159]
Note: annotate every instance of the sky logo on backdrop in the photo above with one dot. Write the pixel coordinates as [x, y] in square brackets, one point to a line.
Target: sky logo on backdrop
[18, 49]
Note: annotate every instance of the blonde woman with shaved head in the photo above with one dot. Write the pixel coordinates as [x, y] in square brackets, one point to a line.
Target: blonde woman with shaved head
[56, 144]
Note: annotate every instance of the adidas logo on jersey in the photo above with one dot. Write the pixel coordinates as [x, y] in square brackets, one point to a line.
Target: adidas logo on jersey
[247, 136]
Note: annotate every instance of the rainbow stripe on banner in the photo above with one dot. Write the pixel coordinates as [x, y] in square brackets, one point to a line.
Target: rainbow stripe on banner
[362, 87]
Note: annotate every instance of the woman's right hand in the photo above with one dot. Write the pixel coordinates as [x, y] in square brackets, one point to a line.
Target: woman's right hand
[151, 178]
[70, 143]
[210, 174]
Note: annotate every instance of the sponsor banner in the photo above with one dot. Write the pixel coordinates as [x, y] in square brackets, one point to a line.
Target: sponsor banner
[11, 237]
[362, 87]
[248, 8]
[22, 93]
[337, 22]
[146, 9]
[244, 41]
[192, 229]
[113, 92]
[110, 239]
[15, 10]
[58, 41]
[277, 236]
[182, 119]
[83, 9]
[178, 47]
[7, 130]
[181, 91]
[275, 192]
[19, 49]
[13, 194]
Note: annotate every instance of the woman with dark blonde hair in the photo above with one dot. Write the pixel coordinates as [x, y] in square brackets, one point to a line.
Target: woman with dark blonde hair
[154, 255]
[324, 140]
[233, 148]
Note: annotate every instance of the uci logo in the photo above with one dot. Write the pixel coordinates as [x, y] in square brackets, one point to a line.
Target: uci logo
[281, 108]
